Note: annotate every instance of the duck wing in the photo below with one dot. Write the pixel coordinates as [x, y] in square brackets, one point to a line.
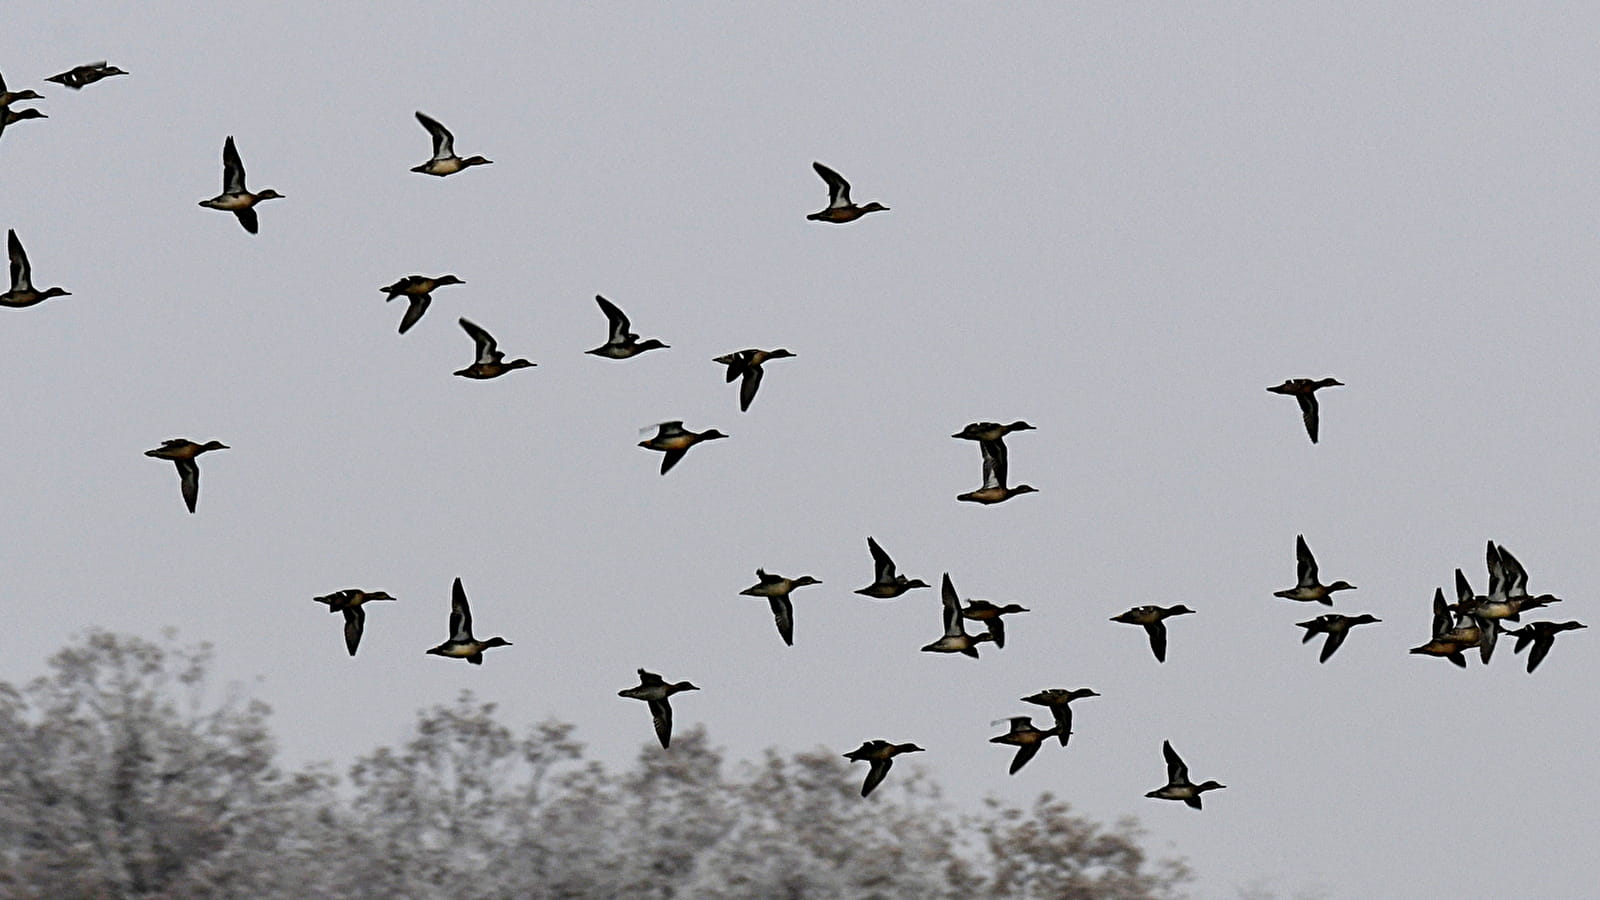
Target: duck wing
[1158, 639]
[1541, 649]
[617, 320]
[247, 218]
[661, 717]
[1307, 564]
[783, 614]
[748, 387]
[354, 620]
[460, 613]
[1025, 752]
[1063, 716]
[414, 309]
[838, 188]
[952, 608]
[486, 347]
[443, 140]
[21, 272]
[994, 463]
[882, 565]
[232, 171]
[997, 630]
[1335, 638]
[1177, 772]
[876, 770]
[670, 459]
[189, 481]
[1308, 411]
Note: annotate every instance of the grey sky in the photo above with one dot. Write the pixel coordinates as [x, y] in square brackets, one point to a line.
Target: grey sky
[1121, 221]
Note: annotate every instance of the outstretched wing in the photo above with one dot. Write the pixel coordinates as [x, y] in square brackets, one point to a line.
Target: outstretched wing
[1308, 411]
[232, 171]
[838, 188]
[1307, 564]
[443, 140]
[1335, 638]
[484, 341]
[1157, 631]
[994, 463]
[460, 613]
[882, 564]
[414, 309]
[21, 272]
[354, 620]
[617, 319]
[748, 387]
[661, 717]
[952, 607]
[876, 770]
[1177, 772]
[189, 481]
[1025, 752]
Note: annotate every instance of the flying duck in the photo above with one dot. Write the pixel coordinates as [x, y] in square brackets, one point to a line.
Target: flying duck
[1059, 701]
[990, 431]
[1178, 786]
[235, 197]
[22, 292]
[444, 161]
[672, 439]
[620, 342]
[955, 639]
[462, 645]
[776, 589]
[990, 614]
[994, 488]
[1151, 617]
[349, 601]
[1024, 737]
[746, 364]
[490, 362]
[654, 690]
[182, 452]
[879, 756]
[9, 97]
[840, 209]
[886, 585]
[1309, 589]
[79, 76]
[1543, 636]
[418, 289]
[1305, 391]
[1335, 627]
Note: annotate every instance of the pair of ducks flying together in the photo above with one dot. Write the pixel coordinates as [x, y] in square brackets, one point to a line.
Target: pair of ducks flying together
[992, 446]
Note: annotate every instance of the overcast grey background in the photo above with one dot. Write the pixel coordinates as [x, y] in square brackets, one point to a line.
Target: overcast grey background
[1121, 221]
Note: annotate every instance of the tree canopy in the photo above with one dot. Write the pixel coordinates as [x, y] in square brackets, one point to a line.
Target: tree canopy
[121, 777]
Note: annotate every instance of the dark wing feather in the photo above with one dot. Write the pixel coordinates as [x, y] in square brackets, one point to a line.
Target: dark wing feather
[670, 459]
[354, 620]
[247, 218]
[1158, 639]
[617, 320]
[783, 614]
[747, 387]
[232, 170]
[838, 188]
[661, 717]
[443, 140]
[414, 309]
[485, 342]
[21, 273]
[1308, 411]
[1025, 752]
[460, 613]
[1177, 772]
[1335, 638]
[1541, 649]
[876, 770]
[1307, 564]
[882, 565]
[189, 481]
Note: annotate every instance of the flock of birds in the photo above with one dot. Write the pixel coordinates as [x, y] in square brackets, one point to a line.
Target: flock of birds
[1472, 621]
